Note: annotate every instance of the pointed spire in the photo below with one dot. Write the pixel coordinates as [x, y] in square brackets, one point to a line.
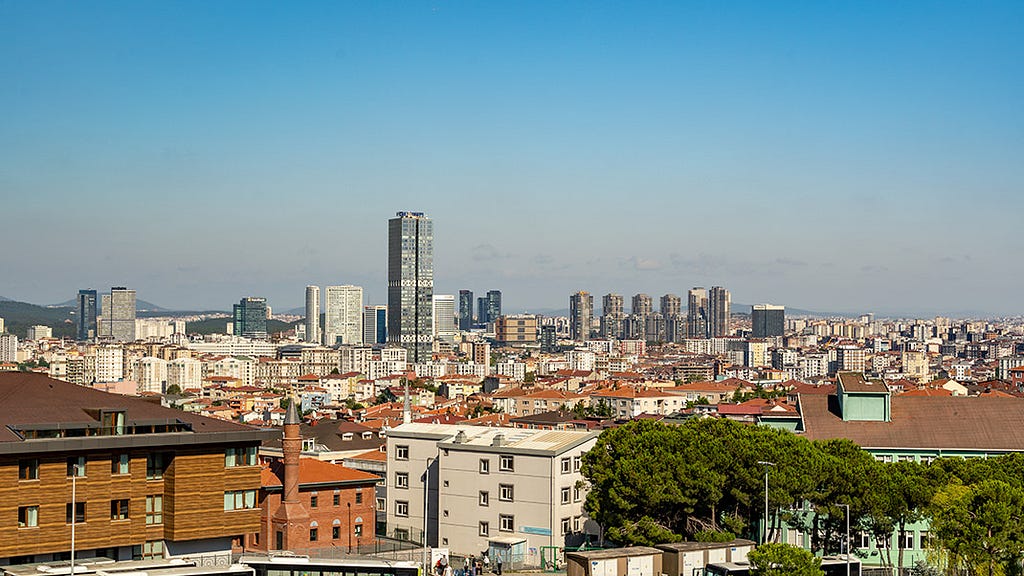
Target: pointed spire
[292, 416]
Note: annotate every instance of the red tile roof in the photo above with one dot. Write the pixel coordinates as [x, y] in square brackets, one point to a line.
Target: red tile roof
[313, 471]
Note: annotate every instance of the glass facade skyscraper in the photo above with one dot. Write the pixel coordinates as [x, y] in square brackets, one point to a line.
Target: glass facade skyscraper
[411, 284]
[86, 315]
[465, 310]
[250, 318]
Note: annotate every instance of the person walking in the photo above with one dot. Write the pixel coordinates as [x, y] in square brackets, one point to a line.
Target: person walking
[497, 564]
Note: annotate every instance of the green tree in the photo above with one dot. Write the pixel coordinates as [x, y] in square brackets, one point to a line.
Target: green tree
[899, 496]
[979, 526]
[774, 559]
[174, 390]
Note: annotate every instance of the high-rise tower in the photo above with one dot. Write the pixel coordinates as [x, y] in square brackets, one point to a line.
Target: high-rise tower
[581, 314]
[697, 313]
[250, 318]
[343, 315]
[121, 316]
[768, 320]
[465, 310]
[719, 302]
[411, 284]
[312, 314]
[86, 315]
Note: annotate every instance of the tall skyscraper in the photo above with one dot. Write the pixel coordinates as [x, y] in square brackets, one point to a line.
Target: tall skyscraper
[375, 325]
[481, 310]
[493, 305]
[768, 320]
[642, 305]
[343, 315]
[465, 310]
[612, 304]
[86, 315]
[444, 317]
[612, 315]
[121, 316]
[250, 318]
[671, 305]
[312, 314]
[719, 302]
[411, 284]
[581, 314]
[697, 313]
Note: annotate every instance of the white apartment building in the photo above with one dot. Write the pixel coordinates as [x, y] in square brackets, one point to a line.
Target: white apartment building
[355, 359]
[8, 348]
[581, 360]
[444, 317]
[39, 332]
[514, 370]
[185, 373]
[150, 374]
[109, 363]
[508, 491]
[343, 315]
[241, 367]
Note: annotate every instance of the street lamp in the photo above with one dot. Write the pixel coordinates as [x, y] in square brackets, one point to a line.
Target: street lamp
[766, 464]
[847, 514]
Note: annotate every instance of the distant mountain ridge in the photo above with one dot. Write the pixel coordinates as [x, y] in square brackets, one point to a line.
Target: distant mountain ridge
[139, 305]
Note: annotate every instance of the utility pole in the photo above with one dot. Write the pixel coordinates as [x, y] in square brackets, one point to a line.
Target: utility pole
[766, 464]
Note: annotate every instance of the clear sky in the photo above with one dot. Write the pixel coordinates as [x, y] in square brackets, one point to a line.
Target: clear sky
[838, 156]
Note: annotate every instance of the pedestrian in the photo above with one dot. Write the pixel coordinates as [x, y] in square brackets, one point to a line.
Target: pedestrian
[497, 564]
[467, 566]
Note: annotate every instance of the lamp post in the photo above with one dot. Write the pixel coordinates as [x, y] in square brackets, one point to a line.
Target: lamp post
[847, 514]
[766, 464]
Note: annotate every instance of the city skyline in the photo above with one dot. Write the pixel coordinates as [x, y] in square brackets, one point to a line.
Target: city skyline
[835, 158]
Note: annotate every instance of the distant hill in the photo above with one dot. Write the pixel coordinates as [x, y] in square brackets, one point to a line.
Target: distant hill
[140, 305]
[18, 316]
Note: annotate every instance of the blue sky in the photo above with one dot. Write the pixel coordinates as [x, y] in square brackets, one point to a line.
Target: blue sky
[841, 156]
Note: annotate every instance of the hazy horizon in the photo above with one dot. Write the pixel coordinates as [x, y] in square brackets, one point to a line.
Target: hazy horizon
[839, 157]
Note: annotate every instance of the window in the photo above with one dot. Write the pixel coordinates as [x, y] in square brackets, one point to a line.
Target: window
[314, 500]
[336, 499]
[485, 498]
[239, 500]
[401, 508]
[28, 469]
[359, 497]
[577, 494]
[485, 529]
[566, 525]
[155, 509]
[156, 465]
[506, 463]
[402, 534]
[576, 523]
[507, 523]
[149, 550]
[74, 513]
[577, 463]
[112, 422]
[358, 530]
[240, 456]
[335, 532]
[28, 516]
[119, 509]
[401, 479]
[566, 495]
[314, 533]
[925, 539]
[119, 464]
[906, 540]
[76, 466]
[505, 492]
[381, 504]
[485, 466]
[863, 540]
[401, 452]
[566, 465]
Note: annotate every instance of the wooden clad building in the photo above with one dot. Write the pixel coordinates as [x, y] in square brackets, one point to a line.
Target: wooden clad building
[134, 479]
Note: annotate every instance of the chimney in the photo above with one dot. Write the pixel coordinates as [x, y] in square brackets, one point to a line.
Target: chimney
[291, 447]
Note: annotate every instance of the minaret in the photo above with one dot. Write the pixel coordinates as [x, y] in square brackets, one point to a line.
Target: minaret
[291, 518]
